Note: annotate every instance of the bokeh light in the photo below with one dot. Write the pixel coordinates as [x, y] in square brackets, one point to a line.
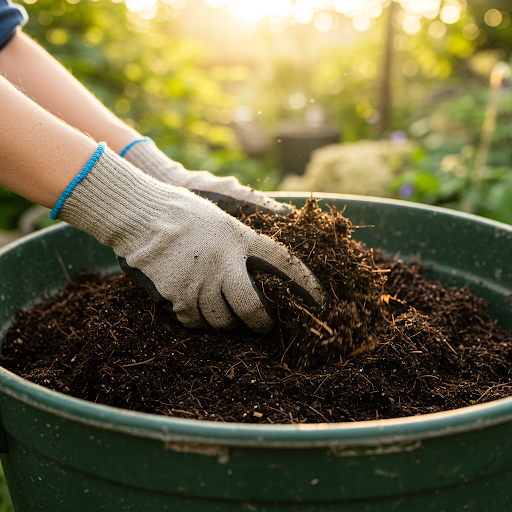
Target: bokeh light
[493, 17]
[373, 9]
[411, 24]
[422, 7]
[362, 12]
[297, 101]
[303, 11]
[348, 6]
[437, 29]
[470, 31]
[250, 12]
[361, 22]
[279, 8]
[450, 14]
[215, 3]
[323, 22]
[146, 9]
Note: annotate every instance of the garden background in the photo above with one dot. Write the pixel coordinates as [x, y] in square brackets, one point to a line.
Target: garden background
[413, 99]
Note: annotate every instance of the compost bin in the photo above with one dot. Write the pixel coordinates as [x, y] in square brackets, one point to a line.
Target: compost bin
[64, 454]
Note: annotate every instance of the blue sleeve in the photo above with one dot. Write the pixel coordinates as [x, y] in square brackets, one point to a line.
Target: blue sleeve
[12, 16]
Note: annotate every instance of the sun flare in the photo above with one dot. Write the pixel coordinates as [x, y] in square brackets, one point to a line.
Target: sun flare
[362, 12]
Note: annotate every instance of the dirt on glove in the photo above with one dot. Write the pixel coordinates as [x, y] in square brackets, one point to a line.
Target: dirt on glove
[390, 343]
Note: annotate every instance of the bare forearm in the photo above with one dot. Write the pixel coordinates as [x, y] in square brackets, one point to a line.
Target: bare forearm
[39, 154]
[28, 66]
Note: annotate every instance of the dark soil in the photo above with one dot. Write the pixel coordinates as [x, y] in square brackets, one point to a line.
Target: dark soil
[391, 342]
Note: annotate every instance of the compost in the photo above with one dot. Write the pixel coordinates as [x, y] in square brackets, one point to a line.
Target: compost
[390, 343]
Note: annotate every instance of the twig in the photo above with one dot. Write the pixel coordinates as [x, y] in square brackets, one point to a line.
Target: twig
[451, 348]
[61, 263]
[320, 414]
[282, 358]
[136, 364]
[319, 322]
[486, 393]
[184, 412]
[321, 384]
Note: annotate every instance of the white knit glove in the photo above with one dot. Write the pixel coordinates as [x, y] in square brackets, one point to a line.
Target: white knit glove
[182, 248]
[227, 193]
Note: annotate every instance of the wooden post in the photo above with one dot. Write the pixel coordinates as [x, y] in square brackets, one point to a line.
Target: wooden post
[385, 86]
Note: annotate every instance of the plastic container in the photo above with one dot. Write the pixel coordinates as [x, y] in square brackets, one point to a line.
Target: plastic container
[297, 141]
[66, 454]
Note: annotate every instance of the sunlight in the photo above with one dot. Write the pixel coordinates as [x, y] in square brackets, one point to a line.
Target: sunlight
[323, 22]
[362, 12]
[279, 8]
[303, 11]
[421, 6]
[249, 11]
[450, 14]
[215, 3]
[349, 6]
[411, 24]
[373, 9]
[362, 23]
[146, 9]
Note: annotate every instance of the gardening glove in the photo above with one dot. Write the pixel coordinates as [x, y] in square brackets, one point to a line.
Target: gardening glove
[188, 253]
[227, 193]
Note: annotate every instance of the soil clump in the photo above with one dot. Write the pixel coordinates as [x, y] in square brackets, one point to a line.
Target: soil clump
[390, 342]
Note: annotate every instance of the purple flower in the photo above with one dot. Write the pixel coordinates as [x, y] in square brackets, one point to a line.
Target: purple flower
[406, 190]
[398, 137]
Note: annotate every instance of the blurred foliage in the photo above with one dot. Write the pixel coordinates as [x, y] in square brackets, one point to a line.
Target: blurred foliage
[439, 82]
[5, 497]
[346, 78]
[444, 170]
[12, 206]
[151, 78]
[166, 87]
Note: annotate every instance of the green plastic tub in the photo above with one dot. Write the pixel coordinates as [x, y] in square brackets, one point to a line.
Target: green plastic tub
[66, 454]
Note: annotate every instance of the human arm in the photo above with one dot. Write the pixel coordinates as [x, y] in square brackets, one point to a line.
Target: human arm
[189, 254]
[39, 155]
[41, 77]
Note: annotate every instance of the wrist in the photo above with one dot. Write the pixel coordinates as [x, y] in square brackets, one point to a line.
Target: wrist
[144, 154]
[117, 134]
[56, 210]
[116, 202]
[131, 144]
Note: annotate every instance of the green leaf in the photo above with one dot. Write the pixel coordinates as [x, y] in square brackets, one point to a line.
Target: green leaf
[503, 208]
[426, 182]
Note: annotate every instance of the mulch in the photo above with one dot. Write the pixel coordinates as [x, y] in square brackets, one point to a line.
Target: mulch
[390, 343]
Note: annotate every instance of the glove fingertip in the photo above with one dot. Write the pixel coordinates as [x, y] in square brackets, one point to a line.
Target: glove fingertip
[261, 325]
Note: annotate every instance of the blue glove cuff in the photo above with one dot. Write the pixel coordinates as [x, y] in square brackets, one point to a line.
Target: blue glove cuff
[127, 148]
[83, 173]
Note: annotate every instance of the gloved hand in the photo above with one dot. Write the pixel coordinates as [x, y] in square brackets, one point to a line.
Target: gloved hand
[227, 193]
[186, 251]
